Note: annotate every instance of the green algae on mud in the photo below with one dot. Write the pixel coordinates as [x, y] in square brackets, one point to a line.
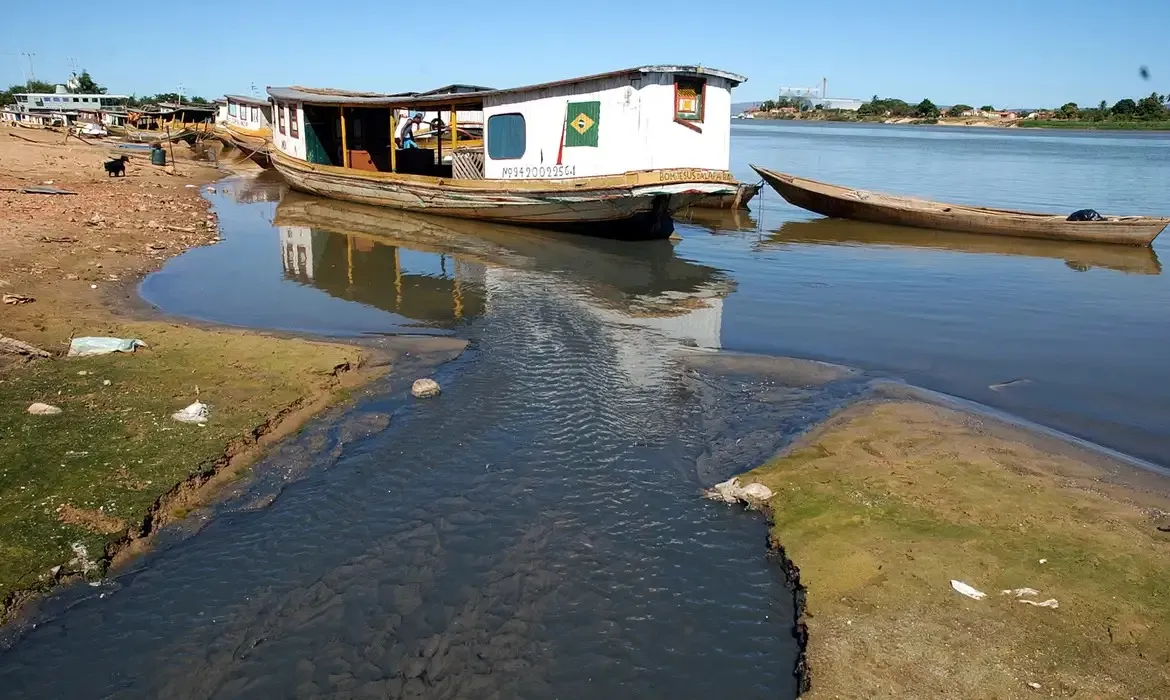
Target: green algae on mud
[78, 487]
[886, 503]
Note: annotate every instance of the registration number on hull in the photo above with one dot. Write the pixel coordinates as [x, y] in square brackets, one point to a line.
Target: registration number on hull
[525, 172]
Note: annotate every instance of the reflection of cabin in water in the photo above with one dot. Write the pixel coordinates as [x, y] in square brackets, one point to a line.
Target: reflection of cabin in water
[428, 287]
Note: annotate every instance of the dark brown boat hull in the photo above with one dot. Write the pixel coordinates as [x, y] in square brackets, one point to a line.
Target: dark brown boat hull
[843, 203]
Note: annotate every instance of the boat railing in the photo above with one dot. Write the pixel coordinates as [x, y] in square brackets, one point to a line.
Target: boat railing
[467, 163]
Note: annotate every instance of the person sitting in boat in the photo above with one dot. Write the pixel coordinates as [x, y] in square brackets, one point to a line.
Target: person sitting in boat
[406, 135]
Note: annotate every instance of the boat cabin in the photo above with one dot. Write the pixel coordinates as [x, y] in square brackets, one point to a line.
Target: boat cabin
[250, 113]
[640, 119]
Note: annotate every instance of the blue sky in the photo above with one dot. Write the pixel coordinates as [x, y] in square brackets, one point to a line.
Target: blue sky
[1028, 53]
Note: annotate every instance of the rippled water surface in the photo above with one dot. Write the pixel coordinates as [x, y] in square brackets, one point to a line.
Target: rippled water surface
[536, 531]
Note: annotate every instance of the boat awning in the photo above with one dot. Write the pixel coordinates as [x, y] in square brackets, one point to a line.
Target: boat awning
[472, 99]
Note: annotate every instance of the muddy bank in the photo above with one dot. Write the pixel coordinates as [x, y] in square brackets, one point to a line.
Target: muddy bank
[85, 488]
[887, 502]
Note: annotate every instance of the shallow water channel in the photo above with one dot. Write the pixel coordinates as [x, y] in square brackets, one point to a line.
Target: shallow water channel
[537, 530]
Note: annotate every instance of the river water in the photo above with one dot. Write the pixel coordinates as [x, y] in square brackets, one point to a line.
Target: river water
[536, 531]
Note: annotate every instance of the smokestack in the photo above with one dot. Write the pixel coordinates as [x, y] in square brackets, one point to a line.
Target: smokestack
[824, 87]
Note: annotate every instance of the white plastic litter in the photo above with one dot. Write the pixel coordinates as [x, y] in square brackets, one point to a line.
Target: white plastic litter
[1020, 592]
[195, 413]
[968, 590]
[43, 409]
[1035, 686]
[1050, 603]
[97, 345]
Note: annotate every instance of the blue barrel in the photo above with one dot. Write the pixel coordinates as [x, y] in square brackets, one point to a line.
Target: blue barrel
[158, 156]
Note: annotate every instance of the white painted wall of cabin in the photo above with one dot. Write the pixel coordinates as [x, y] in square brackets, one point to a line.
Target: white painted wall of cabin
[244, 118]
[636, 129]
[285, 143]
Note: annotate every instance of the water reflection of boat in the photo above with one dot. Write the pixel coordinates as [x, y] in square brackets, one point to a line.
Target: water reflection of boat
[720, 220]
[646, 284]
[875, 207]
[1077, 255]
[436, 289]
[263, 186]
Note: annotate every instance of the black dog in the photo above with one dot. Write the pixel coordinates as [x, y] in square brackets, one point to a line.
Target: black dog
[117, 166]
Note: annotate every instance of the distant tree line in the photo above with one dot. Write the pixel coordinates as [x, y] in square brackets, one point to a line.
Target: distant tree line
[893, 107]
[800, 104]
[87, 85]
[1155, 107]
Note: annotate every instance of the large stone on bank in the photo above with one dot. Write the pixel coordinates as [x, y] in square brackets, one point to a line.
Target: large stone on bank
[425, 388]
[731, 491]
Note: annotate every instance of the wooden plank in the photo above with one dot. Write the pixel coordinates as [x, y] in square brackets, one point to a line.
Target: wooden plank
[344, 145]
[393, 147]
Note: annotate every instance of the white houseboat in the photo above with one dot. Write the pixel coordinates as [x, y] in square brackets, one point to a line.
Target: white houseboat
[246, 122]
[612, 154]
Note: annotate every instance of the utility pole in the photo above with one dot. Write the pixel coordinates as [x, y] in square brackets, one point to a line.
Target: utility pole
[180, 94]
[32, 73]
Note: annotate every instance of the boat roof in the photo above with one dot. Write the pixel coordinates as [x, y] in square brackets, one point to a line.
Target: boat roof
[246, 100]
[457, 88]
[190, 107]
[435, 97]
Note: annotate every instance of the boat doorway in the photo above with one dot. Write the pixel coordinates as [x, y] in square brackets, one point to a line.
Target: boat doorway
[323, 135]
[367, 138]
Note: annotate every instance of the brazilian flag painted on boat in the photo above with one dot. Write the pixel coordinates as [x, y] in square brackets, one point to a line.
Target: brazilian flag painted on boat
[581, 123]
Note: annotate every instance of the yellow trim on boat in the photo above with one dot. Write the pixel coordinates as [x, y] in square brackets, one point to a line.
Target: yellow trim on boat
[639, 178]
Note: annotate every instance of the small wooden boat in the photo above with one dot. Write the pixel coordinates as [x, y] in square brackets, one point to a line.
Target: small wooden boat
[735, 200]
[564, 155]
[845, 203]
[246, 123]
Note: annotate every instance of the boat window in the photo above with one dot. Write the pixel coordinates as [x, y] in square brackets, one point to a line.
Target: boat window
[255, 114]
[506, 135]
[689, 100]
[280, 115]
[293, 128]
[232, 108]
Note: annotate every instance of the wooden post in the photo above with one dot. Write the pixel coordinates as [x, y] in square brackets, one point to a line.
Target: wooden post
[454, 133]
[344, 144]
[393, 144]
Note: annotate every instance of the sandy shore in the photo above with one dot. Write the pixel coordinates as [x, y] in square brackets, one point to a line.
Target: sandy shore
[885, 504]
[88, 485]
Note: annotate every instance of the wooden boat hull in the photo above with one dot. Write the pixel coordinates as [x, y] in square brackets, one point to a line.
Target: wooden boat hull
[633, 206]
[735, 200]
[254, 143]
[845, 203]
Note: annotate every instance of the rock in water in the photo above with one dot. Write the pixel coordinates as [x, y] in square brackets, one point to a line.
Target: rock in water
[43, 409]
[425, 388]
[731, 491]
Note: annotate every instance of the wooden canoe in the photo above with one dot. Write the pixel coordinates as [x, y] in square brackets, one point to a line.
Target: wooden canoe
[733, 200]
[845, 203]
[634, 205]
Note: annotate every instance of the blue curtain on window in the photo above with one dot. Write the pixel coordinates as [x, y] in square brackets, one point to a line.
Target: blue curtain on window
[506, 136]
